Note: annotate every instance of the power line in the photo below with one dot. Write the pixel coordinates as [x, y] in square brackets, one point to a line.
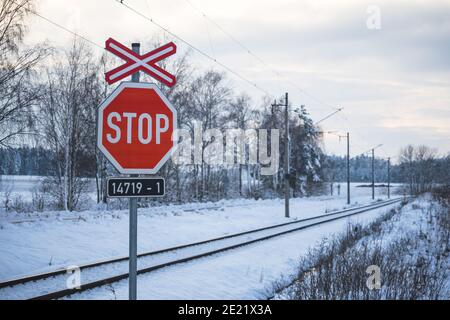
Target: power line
[165, 29]
[65, 29]
[251, 53]
[172, 34]
[151, 20]
[277, 73]
[373, 148]
[329, 116]
[356, 133]
[179, 38]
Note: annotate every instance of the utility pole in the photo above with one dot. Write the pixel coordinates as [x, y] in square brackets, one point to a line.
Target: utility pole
[132, 290]
[373, 174]
[373, 168]
[286, 152]
[286, 159]
[348, 161]
[348, 167]
[389, 178]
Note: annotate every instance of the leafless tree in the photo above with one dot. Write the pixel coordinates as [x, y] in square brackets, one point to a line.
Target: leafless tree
[17, 92]
[102, 165]
[180, 96]
[418, 166]
[210, 96]
[240, 114]
[407, 158]
[66, 120]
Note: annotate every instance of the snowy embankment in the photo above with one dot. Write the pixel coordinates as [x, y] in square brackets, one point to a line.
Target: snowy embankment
[50, 240]
[401, 255]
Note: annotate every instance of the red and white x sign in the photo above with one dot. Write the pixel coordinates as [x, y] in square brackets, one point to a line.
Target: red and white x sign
[136, 62]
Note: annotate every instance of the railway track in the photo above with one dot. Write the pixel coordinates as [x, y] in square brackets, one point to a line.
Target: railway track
[52, 285]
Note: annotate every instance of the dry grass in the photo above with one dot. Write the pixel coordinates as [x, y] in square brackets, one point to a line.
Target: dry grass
[415, 266]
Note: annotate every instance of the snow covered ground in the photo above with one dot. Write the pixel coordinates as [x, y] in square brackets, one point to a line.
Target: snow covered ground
[409, 246]
[243, 273]
[24, 186]
[57, 239]
[19, 185]
[39, 242]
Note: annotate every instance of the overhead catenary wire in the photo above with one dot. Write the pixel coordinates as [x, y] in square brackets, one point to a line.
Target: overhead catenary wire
[76, 34]
[215, 60]
[195, 48]
[84, 38]
[328, 116]
[373, 148]
[153, 21]
[259, 59]
[229, 69]
[356, 134]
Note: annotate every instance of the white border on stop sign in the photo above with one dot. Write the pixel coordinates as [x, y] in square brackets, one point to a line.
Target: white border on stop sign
[107, 101]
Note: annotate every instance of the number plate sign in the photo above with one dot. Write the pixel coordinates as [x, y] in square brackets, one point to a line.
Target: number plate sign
[135, 187]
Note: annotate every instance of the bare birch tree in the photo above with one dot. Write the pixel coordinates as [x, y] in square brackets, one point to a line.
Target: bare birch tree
[240, 115]
[71, 94]
[210, 97]
[17, 92]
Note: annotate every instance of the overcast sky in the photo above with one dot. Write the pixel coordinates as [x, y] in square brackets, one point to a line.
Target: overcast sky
[391, 76]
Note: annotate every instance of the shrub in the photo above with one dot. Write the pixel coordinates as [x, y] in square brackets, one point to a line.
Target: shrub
[414, 266]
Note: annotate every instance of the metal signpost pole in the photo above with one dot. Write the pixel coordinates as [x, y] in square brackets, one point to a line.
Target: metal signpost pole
[348, 168]
[131, 156]
[133, 220]
[286, 160]
[373, 174]
[389, 178]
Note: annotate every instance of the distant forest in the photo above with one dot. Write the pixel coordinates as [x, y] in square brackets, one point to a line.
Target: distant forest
[30, 161]
[26, 161]
[360, 169]
[41, 162]
[435, 169]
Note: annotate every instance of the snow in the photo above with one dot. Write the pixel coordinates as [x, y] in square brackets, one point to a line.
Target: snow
[413, 221]
[243, 273]
[54, 241]
[25, 186]
[40, 242]
[44, 286]
[19, 185]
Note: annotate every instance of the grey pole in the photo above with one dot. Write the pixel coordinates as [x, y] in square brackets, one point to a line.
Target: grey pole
[286, 160]
[348, 167]
[133, 219]
[373, 174]
[389, 178]
[136, 47]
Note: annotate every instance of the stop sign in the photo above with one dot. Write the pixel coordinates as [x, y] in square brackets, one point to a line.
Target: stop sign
[135, 127]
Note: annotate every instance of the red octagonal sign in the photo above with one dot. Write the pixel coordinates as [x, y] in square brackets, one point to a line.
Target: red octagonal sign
[135, 127]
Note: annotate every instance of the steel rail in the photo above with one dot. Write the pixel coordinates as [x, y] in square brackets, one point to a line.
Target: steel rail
[106, 281]
[40, 276]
